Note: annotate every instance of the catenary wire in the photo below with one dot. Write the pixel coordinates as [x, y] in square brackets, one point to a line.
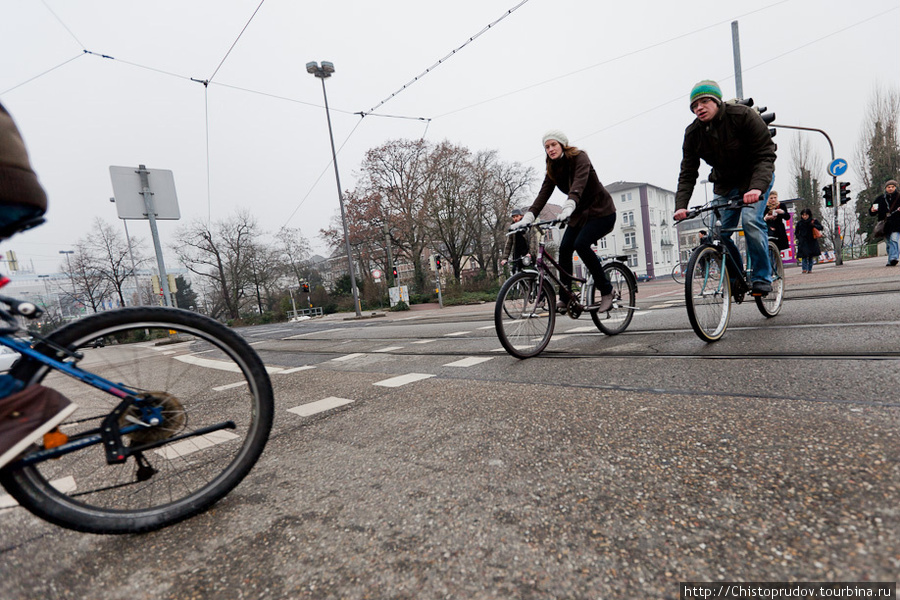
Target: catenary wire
[247, 24]
[452, 52]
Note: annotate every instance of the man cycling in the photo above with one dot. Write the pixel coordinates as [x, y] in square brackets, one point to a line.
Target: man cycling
[519, 244]
[735, 142]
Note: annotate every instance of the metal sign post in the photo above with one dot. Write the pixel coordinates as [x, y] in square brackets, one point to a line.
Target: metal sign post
[136, 200]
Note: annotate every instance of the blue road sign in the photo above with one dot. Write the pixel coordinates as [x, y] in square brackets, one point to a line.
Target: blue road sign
[837, 167]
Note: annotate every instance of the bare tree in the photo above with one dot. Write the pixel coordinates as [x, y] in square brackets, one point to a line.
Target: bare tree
[221, 255]
[878, 151]
[449, 202]
[88, 286]
[514, 183]
[109, 253]
[295, 251]
[395, 173]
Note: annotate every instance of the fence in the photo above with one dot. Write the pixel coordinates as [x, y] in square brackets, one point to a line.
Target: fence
[305, 312]
[854, 252]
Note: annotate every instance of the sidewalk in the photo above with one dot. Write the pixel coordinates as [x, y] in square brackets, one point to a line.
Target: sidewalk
[852, 272]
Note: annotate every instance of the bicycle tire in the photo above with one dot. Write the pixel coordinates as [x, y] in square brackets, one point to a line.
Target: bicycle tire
[707, 293]
[678, 274]
[617, 319]
[770, 305]
[523, 317]
[210, 374]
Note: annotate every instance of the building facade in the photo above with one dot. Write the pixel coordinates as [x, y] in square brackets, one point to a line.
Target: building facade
[645, 232]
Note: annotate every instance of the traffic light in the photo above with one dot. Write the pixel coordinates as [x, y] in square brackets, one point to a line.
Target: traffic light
[437, 261]
[395, 272]
[305, 288]
[767, 117]
[845, 192]
[829, 196]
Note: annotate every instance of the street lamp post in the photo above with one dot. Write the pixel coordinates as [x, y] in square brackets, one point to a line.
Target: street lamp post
[131, 253]
[69, 267]
[323, 73]
[705, 194]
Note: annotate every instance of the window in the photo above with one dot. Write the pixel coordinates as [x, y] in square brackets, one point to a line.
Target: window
[632, 260]
[603, 243]
[626, 197]
[653, 216]
[628, 219]
[630, 240]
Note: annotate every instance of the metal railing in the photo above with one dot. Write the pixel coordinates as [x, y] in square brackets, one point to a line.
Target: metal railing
[315, 311]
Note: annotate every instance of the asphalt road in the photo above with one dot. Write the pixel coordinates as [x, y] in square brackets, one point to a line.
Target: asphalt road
[605, 468]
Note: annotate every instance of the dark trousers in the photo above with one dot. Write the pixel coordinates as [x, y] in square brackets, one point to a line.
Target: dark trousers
[580, 239]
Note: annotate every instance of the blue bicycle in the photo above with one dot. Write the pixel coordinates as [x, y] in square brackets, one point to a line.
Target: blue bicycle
[174, 409]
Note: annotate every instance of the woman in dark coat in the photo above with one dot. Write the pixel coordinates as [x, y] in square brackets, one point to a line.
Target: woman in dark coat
[807, 245]
[776, 216]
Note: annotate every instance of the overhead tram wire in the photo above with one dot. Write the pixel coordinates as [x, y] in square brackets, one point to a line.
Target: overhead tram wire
[246, 25]
[38, 76]
[452, 52]
[66, 27]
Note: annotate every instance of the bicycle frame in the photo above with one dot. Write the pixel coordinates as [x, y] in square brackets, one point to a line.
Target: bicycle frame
[109, 433]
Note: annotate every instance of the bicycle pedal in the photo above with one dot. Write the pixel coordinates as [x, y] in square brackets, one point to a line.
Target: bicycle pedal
[54, 439]
[574, 311]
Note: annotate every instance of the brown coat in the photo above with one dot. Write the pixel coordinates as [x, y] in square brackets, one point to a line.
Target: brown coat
[576, 178]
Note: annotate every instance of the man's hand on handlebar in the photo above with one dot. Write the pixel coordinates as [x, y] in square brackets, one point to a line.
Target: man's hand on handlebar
[752, 197]
[680, 214]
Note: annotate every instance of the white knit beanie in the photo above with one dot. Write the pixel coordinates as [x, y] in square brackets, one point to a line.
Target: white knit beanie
[556, 134]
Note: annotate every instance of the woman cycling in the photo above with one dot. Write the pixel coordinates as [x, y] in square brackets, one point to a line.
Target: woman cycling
[589, 208]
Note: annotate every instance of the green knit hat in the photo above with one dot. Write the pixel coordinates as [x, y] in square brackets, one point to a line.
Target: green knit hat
[706, 89]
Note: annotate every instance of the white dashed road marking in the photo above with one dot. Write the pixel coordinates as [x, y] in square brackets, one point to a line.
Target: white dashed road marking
[195, 444]
[221, 365]
[456, 333]
[403, 379]
[296, 369]
[306, 410]
[389, 349]
[348, 357]
[471, 361]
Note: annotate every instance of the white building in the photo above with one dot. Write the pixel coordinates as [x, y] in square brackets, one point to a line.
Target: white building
[645, 231]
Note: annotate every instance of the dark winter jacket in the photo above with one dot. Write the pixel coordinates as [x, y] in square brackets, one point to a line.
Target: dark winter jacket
[738, 147]
[520, 243]
[776, 226]
[576, 178]
[807, 245]
[889, 208]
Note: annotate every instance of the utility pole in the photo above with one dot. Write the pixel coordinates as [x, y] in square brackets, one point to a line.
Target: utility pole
[736, 45]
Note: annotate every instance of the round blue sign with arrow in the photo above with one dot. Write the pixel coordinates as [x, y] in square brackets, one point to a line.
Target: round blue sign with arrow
[837, 167]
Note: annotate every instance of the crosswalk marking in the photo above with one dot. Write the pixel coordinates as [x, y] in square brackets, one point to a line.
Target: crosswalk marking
[348, 357]
[389, 349]
[311, 408]
[64, 485]
[229, 386]
[403, 379]
[221, 365]
[456, 333]
[423, 341]
[470, 361]
[296, 369]
[195, 444]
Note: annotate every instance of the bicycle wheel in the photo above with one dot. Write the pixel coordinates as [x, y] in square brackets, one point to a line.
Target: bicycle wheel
[770, 305]
[624, 291]
[200, 373]
[707, 293]
[678, 273]
[524, 316]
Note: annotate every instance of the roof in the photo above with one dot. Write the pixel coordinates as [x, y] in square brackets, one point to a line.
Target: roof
[618, 186]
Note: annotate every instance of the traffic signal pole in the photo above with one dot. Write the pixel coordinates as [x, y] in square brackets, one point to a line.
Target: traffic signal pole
[835, 237]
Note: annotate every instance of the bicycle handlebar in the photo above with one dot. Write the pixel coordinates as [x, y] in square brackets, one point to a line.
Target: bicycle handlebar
[540, 224]
[735, 203]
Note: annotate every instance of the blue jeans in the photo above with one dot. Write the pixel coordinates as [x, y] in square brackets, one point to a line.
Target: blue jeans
[756, 232]
[893, 245]
[807, 263]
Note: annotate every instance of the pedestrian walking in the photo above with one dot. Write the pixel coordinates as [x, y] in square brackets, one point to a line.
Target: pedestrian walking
[887, 207]
[806, 239]
[776, 216]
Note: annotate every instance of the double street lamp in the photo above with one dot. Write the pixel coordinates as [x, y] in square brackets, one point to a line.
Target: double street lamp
[323, 72]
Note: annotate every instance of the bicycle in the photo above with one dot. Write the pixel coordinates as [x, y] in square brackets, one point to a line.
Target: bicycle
[525, 312]
[174, 409]
[715, 276]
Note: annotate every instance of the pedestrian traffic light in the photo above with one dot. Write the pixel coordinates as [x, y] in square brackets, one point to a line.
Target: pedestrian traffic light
[395, 272]
[829, 196]
[305, 288]
[437, 262]
[845, 192]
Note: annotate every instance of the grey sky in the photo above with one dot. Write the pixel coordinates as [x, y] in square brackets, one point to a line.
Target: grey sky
[613, 76]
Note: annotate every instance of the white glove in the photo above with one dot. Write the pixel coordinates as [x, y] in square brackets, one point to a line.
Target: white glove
[525, 221]
[567, 208]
